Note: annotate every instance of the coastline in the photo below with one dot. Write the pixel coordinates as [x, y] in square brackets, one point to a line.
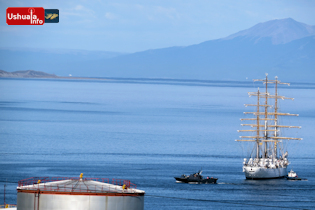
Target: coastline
[31, 74]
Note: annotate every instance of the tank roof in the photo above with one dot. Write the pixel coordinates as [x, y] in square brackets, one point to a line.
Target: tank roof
[78, 185]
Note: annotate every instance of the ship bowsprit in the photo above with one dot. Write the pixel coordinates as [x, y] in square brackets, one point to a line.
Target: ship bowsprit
[78, 194]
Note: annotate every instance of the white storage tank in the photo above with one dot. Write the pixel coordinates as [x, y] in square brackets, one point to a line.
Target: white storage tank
[64, 193]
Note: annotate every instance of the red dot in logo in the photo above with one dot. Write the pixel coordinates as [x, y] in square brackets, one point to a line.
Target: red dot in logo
[31, 10]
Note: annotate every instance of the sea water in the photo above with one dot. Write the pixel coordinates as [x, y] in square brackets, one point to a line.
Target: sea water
[149, 131]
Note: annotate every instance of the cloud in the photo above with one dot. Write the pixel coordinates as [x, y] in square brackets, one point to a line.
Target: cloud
[110, 16]
[170, 13]
[139, 6]
[79, 7]
[80, 11]
[142, 12]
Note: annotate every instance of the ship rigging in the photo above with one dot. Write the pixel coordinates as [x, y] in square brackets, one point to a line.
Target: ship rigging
[269, 161]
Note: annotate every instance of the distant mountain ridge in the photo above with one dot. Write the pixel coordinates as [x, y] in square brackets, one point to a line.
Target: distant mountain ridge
[281, 31]
[234, 59]
[284, 48]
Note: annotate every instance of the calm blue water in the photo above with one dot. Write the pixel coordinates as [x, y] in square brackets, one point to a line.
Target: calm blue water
[149, 131]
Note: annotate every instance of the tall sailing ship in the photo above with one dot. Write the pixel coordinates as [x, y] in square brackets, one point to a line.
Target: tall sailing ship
[269, 161]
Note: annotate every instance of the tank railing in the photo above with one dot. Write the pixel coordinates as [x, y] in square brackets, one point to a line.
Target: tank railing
[35, 184]
[34, 180]
[132, 185]
[81, 188]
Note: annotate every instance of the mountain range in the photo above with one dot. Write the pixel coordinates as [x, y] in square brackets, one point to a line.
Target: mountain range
[282, 47]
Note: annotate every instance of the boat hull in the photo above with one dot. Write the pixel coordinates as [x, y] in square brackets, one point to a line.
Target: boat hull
[255, 172]
[295, 178]
[196, 181]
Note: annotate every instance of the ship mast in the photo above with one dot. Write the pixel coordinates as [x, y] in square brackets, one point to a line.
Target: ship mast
[276, 114]
[267, 127]
[266, 115]
[257, 139]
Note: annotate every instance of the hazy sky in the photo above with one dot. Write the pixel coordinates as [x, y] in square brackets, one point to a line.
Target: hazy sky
[137, 25]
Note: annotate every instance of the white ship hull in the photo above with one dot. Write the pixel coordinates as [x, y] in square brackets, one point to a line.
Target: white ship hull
[257, 172]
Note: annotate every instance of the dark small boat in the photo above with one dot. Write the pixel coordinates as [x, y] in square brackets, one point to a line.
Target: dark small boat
[196, 178]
